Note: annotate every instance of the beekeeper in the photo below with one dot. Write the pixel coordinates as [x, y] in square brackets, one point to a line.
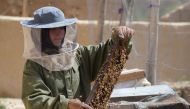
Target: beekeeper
[58, 71]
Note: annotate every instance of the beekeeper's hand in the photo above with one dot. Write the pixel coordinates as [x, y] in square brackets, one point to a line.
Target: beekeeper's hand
[123, 35]
[77, 104]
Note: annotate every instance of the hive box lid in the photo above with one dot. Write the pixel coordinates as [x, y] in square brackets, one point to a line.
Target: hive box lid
[138, 93]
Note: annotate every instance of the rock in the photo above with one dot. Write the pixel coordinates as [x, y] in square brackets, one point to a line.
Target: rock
[11, 103]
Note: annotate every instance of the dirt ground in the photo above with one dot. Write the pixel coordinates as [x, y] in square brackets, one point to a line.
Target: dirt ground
[80, 8]
[71, 8]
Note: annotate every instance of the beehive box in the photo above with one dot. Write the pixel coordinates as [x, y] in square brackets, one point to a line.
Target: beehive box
[150, 97]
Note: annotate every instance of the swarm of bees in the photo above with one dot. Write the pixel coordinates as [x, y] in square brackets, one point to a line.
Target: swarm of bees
[108, 75]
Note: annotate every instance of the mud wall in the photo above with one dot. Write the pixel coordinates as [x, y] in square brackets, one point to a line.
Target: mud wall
[173, 47]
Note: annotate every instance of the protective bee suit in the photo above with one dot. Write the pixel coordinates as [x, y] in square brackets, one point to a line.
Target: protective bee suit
[54, 74]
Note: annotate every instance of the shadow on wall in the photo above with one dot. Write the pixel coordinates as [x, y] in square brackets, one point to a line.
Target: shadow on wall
[181, 14]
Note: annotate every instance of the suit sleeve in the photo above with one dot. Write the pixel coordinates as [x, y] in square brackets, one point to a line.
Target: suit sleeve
[93, 57]
[35, 94]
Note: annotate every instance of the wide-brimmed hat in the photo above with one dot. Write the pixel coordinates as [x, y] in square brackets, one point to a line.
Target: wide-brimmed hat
[48, 17]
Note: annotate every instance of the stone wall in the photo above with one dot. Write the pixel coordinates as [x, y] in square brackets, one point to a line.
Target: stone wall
[173, 50]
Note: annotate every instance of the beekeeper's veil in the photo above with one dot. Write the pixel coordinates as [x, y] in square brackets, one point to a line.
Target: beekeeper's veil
[38, 45]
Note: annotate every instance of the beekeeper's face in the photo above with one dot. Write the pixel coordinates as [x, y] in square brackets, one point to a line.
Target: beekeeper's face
[57, 35]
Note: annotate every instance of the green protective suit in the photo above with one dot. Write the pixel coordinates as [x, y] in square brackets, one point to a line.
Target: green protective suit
[43, 89]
